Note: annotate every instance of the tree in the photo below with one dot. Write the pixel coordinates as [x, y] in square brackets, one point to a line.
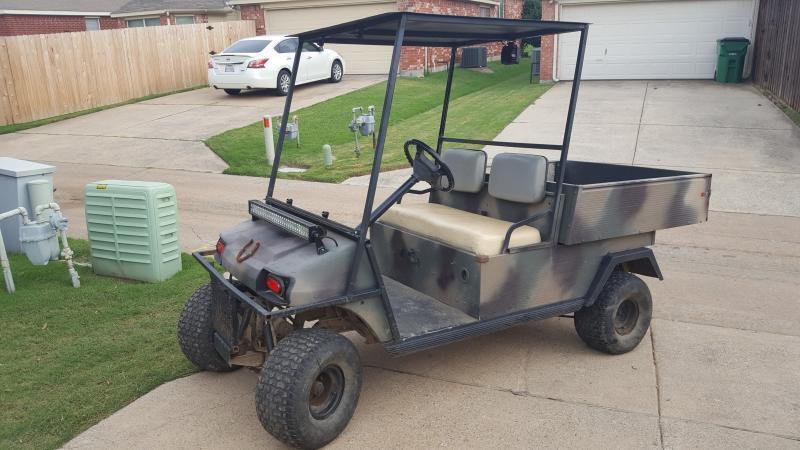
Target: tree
[532, 9]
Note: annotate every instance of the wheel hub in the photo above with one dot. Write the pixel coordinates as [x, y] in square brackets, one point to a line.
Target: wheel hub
[626, 317]
[326, 392]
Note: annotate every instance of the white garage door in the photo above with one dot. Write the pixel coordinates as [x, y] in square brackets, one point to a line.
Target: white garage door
[652, 39]
[359, 59]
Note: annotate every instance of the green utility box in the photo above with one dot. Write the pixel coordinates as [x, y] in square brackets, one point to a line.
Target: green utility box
[133, 229]
[730, 59]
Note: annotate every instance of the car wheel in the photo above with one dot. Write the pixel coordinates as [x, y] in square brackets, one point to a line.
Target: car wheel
[284, 81]
[196, 332]
[620, 317]
[232, 91]
[309, 387]
[337, 72]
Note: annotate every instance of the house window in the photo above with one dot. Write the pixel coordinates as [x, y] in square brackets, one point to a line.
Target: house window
[486, 11]
[148, 22]
[184, 20]
[92, 23]
[501, 9]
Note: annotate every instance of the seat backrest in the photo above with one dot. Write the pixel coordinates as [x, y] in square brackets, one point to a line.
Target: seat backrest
[468, 167]
[518, 177]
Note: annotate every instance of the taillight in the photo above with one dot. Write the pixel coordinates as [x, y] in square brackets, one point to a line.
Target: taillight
[257, 63]
[210, 63]
[220, 246]
[275, 285]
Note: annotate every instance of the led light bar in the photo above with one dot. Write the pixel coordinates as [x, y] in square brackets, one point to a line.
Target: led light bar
[287, 222]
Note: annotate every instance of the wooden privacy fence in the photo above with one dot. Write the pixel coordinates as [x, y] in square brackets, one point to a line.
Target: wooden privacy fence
[776, 65]
[47, 75]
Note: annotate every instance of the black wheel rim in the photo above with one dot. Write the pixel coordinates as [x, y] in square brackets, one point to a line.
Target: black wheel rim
[626, 317]
[326, 392]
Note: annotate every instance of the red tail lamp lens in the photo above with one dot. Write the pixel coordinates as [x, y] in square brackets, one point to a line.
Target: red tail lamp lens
[275, 285]
[220, 246]
[257, 64]
[210, 63]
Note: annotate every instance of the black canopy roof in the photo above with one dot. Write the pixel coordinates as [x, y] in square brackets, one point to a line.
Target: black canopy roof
[434, 30]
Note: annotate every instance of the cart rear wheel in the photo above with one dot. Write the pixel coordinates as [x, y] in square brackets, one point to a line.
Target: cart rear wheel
[195, 332]
[233, 91]
[309, 388]
[620, 317]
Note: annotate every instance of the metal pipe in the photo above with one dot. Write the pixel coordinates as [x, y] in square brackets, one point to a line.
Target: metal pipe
[450, 69]
[376, 163]
[285, 117]
[4, 262]
[562, 164]
[61, 229]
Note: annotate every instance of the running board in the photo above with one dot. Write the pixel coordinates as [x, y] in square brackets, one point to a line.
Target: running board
[459, 332]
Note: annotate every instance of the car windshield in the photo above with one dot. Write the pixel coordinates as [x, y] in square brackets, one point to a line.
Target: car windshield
[248, 46]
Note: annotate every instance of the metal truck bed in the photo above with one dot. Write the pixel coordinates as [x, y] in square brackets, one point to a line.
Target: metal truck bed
[604, 201]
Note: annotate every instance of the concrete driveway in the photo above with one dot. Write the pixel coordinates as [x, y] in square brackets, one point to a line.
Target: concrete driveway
[166, 132]
[719, 369]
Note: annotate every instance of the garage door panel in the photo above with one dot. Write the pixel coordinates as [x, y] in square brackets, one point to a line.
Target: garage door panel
[652, 39]
[359, 59]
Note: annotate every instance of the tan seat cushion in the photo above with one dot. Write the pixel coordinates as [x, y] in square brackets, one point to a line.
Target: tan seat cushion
[463, 230]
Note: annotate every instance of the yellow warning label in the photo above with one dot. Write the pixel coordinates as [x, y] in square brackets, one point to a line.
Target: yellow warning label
[101, 187]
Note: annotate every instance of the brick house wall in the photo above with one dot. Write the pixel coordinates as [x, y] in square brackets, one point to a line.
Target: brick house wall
[255, 13]
[16, 25]
[548, 43]
[412, 59]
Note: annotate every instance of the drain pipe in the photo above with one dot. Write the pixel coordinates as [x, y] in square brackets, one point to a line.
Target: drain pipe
[59, 223]
[3, 255]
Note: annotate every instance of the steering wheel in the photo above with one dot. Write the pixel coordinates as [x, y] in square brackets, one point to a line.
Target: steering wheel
[427, 170]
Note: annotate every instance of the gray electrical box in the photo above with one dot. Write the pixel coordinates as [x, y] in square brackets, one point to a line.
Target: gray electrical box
[14, 177]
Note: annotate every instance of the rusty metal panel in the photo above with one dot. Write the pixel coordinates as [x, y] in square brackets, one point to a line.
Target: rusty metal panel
[518, 281]
[444, 273]
[604, 210]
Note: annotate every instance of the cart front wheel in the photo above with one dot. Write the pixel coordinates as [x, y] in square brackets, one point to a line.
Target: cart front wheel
[620, 317]
[309, 388]
[196, 332]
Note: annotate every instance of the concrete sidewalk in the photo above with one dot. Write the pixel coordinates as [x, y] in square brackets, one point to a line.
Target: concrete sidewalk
[167, 132]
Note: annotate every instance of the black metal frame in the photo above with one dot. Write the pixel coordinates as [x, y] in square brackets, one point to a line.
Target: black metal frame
[369, 215]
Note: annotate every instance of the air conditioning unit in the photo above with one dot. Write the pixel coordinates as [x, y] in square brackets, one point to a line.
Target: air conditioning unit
[133, 229]
[472, 57]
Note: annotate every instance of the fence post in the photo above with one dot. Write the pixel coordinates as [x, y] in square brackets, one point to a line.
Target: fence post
[269, 142]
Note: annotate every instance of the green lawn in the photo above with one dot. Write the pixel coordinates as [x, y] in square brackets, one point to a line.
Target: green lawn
[482, 104]
[70, 357]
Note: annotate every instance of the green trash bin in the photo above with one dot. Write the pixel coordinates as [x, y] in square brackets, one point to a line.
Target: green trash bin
[730, 59]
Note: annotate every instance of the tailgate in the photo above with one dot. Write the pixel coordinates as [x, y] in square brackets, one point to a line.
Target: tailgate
[606, 210]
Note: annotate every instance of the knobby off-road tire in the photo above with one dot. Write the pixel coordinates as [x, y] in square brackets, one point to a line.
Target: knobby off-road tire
[195, 332]
[309, 388]
[620, 317]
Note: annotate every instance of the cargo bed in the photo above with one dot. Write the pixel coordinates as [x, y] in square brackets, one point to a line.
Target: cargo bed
[603, 201]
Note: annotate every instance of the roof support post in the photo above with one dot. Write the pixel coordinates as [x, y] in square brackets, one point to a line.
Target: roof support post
[376, 162]
[450, 69]
[285, 118]
[562, 164]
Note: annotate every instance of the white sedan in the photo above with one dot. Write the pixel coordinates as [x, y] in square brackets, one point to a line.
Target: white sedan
[265, 62]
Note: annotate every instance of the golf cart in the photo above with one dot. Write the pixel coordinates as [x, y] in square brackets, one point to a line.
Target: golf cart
[528, 239]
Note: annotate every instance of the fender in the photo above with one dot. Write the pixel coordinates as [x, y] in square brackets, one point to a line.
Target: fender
[638, 260]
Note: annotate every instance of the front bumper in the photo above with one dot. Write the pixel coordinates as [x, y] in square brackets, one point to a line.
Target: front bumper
[274, 311]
